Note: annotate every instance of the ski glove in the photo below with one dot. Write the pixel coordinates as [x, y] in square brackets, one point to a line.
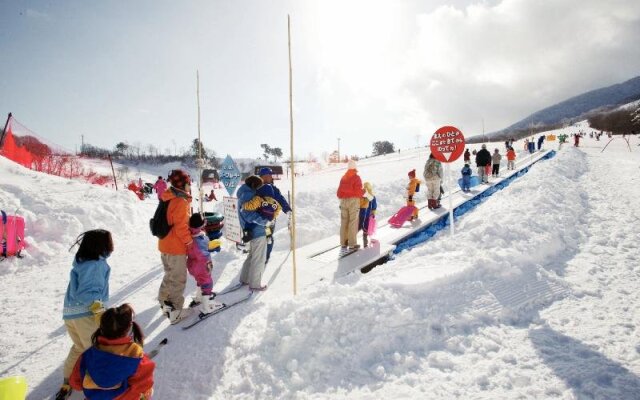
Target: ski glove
[97, 308]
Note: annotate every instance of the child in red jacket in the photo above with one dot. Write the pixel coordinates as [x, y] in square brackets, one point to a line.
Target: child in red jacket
[115, 367]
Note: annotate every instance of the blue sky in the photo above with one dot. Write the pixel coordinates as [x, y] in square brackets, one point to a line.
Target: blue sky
[363, 70]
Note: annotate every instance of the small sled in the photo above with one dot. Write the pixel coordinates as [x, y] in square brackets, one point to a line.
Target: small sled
[474, 181]
[401, 216]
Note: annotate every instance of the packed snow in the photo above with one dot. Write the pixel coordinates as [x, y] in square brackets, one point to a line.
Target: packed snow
[535, 296]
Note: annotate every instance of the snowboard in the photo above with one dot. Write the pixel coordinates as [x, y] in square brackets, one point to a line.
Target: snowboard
[401, 216]
[474, 181]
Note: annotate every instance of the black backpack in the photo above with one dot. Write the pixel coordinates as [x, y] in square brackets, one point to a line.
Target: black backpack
[158, 224]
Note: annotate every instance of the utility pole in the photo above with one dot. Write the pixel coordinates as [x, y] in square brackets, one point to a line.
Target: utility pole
[339, 150]
[417, 140]
[81, 143]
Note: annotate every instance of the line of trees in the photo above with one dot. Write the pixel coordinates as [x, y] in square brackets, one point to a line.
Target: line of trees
[618, 122]
[151, 154]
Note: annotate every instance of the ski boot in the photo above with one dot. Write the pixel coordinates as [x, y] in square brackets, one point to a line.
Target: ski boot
[64, 393]
[208, 305]
[197, 300]
[174, 315]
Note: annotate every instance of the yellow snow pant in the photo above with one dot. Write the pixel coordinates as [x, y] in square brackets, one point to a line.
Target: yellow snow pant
[80, 331]
[349, 214]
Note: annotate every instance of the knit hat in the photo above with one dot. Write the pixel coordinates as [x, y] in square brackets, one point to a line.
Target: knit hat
[196, 221]
[253, 181]
[265, 171]
[179, 179]
[351, 164]
[484, 146]
[412, 173]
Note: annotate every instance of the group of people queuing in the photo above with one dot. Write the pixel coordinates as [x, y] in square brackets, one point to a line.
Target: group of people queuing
[106, 359]
[486, 164]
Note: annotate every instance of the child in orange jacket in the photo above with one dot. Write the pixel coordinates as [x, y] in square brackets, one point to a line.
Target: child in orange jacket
[412, 189]
[511, 158]
[115, 367]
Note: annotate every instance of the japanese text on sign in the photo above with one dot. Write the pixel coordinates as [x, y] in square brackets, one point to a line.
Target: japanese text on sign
[232, 229]
[230, 175]
[447, 144]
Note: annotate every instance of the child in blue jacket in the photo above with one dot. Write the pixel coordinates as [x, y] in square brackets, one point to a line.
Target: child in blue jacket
[466, 178]
[87, 293]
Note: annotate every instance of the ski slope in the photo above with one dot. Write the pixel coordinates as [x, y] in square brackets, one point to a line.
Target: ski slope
[536, 295]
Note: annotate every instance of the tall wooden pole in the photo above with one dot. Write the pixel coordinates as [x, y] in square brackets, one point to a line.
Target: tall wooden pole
[4, 130]
[199, 162]
[293, 172]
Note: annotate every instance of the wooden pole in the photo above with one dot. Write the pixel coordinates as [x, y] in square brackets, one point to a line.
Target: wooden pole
[199, 163]
[113, 172]
[293, 173]
[4, 130]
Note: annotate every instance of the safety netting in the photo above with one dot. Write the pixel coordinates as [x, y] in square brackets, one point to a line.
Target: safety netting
[21, 145]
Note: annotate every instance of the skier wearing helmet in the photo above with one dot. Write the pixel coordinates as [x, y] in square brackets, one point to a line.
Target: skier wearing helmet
[174, 247]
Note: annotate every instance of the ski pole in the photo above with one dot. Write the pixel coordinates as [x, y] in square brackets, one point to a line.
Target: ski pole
[156, 350]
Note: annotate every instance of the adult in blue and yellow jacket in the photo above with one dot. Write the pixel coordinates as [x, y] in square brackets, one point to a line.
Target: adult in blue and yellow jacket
[266, 174]
[254, 229]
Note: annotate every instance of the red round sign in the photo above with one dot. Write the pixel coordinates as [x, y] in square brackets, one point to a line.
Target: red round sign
[447, 144]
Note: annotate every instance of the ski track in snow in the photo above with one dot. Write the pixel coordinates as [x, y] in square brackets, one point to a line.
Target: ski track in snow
[536, 296]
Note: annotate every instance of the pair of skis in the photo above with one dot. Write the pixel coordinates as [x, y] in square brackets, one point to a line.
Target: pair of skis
[225, 306]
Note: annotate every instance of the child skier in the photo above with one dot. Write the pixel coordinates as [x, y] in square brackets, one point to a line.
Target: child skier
[115, 366]
[466, 177]
[264, 203]
[511, 158]
[199, 265]
[87, 293]
[412, 188]
[368, 206]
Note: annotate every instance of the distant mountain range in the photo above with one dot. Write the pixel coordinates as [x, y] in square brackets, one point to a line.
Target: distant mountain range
[569, 110]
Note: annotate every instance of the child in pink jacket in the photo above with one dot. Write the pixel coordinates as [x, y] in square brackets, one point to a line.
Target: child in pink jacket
[199, 265]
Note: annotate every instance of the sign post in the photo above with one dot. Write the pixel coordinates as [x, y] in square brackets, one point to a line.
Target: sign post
[230, 175]
[232, 230]
[447, 145]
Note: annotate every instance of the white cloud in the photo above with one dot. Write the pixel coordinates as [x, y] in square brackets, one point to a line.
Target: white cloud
[505, 61]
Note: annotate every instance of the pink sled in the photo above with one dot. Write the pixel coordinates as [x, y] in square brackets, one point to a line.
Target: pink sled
[401, 216]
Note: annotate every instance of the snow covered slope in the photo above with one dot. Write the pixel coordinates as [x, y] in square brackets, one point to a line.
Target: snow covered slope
[536, 296]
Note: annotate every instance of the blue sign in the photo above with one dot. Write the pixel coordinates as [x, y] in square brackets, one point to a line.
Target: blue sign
[229, 175]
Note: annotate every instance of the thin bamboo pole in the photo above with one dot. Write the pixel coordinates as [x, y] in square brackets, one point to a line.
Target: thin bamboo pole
[293, 173]
[199, 162]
